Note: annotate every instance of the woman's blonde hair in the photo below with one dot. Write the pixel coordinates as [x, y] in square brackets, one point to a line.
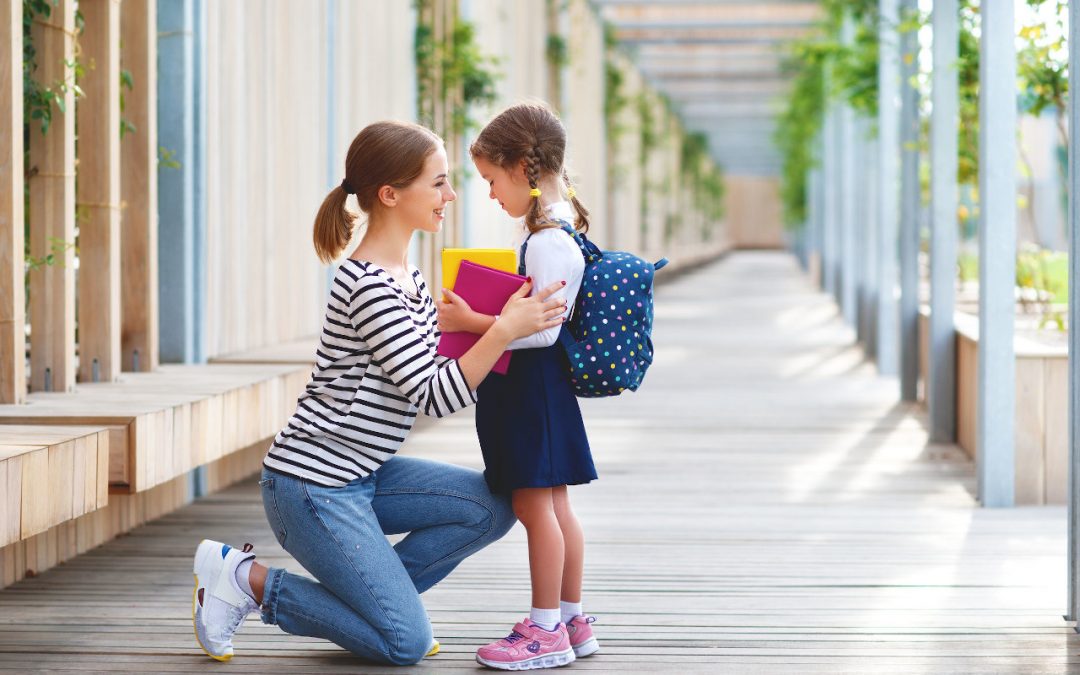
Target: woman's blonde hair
[529, 132]
[383, 153]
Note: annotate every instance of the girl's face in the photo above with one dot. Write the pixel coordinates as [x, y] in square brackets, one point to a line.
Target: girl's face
[509, 188]
[423, 200]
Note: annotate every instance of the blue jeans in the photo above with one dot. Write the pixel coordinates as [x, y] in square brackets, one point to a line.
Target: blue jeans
[367, 594]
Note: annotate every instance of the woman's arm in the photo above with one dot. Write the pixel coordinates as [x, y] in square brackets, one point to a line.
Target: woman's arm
[397, 346]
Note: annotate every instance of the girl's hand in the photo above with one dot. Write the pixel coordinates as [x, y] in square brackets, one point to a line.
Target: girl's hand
[455, 315]
[523, 315]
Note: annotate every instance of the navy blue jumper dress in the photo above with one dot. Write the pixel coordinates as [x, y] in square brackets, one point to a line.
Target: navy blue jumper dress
[529, 423]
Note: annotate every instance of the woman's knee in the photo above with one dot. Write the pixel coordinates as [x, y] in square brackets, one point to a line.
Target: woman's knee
[412, 643]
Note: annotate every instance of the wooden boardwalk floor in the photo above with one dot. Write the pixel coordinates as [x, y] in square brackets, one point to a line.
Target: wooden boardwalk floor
[765, 505]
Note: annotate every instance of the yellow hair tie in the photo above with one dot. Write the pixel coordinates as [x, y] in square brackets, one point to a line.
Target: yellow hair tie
[535, 192]
[571, 193]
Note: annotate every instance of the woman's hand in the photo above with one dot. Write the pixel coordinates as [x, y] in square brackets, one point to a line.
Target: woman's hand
[455, 315]
[524, 315]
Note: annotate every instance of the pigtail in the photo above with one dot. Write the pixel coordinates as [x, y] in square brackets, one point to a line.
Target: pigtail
[581, 223]
[333, 226]
[534, 216]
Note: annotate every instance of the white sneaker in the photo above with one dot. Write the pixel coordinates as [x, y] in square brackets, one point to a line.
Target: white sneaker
[219, 606]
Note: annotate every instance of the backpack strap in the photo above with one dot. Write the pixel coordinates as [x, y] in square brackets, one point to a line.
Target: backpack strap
[588, 249]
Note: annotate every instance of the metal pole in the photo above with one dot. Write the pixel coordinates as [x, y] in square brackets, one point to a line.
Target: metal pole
[910, 200]
[997, 255]
[1074, 316]
[944, 126]
[888, 351]
[848, 271]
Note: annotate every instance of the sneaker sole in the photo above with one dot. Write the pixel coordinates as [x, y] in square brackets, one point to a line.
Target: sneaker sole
[556, 660]
[587, 648]
[205, 548]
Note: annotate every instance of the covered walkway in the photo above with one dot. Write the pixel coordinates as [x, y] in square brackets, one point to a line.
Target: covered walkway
[764, 505]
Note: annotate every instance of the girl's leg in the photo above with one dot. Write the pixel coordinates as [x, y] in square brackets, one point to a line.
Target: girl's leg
[535, 509]
[363, 599]
[573, 546]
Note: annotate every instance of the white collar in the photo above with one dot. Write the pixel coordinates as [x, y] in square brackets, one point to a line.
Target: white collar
[560, 210]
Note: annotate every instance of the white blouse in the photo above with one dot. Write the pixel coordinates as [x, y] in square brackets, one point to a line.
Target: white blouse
[552, 256]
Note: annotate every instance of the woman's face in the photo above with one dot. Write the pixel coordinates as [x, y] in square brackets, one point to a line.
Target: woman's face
[509, 188]
[423, 200]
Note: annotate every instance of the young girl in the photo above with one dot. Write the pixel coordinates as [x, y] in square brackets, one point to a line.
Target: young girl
[528, 421]
[332, 485]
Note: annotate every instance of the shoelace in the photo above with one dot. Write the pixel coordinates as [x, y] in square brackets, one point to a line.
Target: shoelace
[513, 637]
[236, 616]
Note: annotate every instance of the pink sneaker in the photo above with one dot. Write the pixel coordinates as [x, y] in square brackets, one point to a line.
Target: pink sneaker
[581, 638]
[528, 646]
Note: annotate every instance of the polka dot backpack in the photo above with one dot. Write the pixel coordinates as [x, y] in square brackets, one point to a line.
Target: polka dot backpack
[608, 340]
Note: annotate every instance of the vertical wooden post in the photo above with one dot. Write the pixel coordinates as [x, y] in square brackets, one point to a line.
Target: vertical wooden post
[99, 194]
[944, 125]
[997, 256]
[12, 291]
[52, 208]
[138, 187]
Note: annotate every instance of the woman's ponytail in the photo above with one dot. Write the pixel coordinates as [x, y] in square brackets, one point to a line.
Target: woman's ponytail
[333, 226]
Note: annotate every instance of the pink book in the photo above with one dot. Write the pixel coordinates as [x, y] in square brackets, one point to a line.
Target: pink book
[486, 290]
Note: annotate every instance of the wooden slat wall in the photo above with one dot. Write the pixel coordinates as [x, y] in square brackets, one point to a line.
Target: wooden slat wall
[138, 188]
[266, 176]
[584, 117]
[625, 172]
[99, 194]
[515, 32]
[52, 210]
[12, 300]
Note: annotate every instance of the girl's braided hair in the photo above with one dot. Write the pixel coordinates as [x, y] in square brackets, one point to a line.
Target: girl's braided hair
[529, 132]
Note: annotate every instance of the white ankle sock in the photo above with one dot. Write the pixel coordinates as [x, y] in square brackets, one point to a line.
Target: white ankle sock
[569, 610]
[545, 618]
[243, 570]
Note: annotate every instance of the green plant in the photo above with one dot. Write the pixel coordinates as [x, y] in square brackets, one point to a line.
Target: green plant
[167, 158]
[443, 67]
[39, 99]
[127, 81]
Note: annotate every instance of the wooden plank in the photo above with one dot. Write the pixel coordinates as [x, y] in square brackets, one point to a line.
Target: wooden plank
[1056, 431]
[138, 187]
[1030, 431]
[10, 500]
[99, 194]
[35, 493]
[12, 292]
[52, 209]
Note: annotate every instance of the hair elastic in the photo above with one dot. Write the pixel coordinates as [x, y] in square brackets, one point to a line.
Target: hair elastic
[346, 187]
[571, 193]
[535, 192]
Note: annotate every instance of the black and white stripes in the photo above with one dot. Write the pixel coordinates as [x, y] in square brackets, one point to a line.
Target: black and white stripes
[375, 368]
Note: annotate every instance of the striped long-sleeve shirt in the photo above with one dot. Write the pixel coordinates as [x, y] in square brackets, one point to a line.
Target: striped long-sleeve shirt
[375, 368]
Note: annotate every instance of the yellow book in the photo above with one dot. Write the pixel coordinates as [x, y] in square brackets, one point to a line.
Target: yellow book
[504, 259]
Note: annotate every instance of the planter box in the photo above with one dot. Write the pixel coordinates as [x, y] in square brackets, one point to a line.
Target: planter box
[1042, 404]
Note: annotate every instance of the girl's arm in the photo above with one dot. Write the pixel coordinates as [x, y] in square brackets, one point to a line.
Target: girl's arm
[552, 256]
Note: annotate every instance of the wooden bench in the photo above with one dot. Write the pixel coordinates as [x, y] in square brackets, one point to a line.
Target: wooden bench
[165, 423]
[50, 475]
